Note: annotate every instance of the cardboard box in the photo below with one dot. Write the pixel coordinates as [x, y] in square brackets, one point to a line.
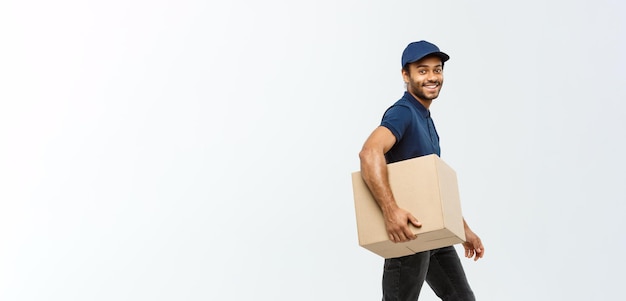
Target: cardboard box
[425, 186]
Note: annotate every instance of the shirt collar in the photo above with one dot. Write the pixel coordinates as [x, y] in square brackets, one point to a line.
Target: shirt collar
[420, 107]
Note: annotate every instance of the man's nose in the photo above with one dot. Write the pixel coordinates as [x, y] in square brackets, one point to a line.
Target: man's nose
[432, 76]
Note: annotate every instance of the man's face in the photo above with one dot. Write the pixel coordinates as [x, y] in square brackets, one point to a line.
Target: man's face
[424, 78]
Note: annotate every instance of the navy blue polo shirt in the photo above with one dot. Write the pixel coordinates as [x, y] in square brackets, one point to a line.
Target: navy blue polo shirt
[415, 131]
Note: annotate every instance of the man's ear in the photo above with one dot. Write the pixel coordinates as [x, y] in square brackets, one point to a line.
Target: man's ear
[405, 74]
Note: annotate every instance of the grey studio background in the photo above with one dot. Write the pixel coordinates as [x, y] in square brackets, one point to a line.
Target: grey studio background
[202, 150]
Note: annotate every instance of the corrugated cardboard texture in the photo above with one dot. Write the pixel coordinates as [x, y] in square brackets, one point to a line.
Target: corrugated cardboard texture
[425, 186]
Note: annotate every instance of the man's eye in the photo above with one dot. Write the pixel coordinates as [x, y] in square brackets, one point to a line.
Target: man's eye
[422, 71]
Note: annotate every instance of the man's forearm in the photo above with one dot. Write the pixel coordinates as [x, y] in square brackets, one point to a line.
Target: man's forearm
[375, 175]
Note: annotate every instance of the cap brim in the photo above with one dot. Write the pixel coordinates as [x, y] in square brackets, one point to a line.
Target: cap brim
[444, 57]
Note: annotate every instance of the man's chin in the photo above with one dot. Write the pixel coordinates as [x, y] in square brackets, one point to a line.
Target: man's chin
[432, 96]
[428, 96]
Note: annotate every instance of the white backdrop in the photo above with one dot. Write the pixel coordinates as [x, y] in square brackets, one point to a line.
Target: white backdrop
[202, 150]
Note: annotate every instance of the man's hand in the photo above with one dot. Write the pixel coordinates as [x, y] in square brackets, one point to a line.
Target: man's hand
[397, 223]
[473, 246]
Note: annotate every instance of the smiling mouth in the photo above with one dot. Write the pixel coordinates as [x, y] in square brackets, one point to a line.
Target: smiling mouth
[432, 85]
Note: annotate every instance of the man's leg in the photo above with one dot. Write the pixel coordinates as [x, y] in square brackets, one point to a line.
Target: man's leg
[446, 276]
[403, 277]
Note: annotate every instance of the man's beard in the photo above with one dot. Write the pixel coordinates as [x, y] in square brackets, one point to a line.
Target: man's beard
[419, 93]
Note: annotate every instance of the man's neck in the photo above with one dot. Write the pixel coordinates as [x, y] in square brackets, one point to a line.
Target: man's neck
[425, 103]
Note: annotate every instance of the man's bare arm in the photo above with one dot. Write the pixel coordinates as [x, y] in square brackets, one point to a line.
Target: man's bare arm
[374, 173]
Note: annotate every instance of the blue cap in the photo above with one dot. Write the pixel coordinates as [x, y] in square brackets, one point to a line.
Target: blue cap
[418, 50]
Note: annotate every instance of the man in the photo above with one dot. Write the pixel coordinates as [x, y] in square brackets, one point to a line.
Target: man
[407, 131]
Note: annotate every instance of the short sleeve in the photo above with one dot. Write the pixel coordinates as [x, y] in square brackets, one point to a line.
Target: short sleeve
[397, 119]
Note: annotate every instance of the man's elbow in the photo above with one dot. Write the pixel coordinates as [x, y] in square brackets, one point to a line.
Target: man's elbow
[367, 154]
[363, 154]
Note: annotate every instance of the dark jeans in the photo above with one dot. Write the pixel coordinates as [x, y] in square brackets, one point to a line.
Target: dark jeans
[441, 268]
